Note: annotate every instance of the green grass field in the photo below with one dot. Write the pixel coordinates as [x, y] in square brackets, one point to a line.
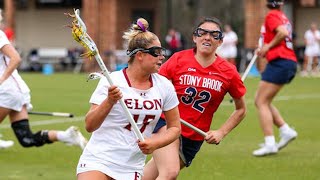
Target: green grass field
[299, 103]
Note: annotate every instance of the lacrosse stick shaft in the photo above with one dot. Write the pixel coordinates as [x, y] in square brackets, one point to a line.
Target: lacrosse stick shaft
[61, 114]
[105, 72]
[246, 72]
[199, 131]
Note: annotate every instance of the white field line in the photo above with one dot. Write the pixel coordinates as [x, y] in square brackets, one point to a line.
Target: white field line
[282, 98]
[226, 103]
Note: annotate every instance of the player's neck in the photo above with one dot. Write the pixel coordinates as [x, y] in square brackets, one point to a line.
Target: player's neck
[204, 60]
[138, 79]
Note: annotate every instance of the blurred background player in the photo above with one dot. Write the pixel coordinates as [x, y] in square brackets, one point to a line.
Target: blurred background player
[175, 41]
[312, 51]
[228, 49]
[15, 101]
[281, 69]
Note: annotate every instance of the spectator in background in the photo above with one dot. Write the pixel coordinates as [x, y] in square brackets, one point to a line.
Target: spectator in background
[72, 59]
[8, 31]
[228, 49]
[175, 41]
[33, 60]
[312, 51]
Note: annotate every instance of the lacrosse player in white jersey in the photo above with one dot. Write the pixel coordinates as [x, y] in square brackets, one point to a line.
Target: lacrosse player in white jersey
[15, 102]
[114, 151]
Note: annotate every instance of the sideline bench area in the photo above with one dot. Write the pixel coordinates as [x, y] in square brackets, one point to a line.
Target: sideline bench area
[52, 55]
[60, 58]
[68, 59]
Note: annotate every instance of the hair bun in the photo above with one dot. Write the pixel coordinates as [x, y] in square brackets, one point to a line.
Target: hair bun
[143, 24]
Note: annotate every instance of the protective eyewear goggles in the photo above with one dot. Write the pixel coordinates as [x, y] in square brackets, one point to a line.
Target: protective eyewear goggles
[199, 32]
[154, 51]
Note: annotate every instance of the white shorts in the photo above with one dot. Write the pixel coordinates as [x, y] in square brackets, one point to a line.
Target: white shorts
[91, 163]
[312, 51]
[230, 52]
[14, 100]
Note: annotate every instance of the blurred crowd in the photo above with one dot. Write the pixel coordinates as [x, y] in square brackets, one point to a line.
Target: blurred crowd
[308, 54]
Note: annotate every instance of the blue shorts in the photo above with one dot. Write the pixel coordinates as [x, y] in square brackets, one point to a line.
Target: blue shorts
[188, 148]
[162, 122]
[279, 71]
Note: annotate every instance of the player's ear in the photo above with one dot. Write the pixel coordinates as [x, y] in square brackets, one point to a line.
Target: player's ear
[139, 55]
[194, 38]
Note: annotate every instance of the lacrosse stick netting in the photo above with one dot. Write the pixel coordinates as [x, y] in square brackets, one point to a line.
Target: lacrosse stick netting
[79, 33]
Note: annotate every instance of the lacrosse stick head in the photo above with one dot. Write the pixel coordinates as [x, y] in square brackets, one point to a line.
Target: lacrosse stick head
[79, 21]
[94, 76]
[79, 33]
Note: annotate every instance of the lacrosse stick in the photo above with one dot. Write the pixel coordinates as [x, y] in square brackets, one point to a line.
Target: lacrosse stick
[60, 114]
[199, 131]
[246, 72]
[94, 76]
[79, 33]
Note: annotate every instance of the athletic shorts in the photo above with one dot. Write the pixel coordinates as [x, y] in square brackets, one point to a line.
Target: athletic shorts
[279, 71]
[14, 100]
[312, 51]
[188, 148]
[89, 162]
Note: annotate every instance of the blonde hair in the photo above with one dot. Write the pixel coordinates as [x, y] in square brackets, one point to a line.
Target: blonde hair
[138, 36]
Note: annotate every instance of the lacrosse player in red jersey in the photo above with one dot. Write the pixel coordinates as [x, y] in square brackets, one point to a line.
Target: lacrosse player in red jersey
[113, 151]
[201, 79]
[280, 70]
[15, 103]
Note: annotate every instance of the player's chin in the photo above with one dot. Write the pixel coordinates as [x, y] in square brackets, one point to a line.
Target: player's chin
[206, 50]
[157, 67]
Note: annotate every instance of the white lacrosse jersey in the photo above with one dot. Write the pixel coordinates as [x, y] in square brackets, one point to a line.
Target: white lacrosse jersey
[14, 86]
[115, 141]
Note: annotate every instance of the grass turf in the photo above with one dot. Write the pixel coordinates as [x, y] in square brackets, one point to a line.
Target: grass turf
[232, 159]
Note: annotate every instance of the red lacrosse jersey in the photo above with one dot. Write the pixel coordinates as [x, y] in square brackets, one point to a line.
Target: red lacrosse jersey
[201, 90]
[284, 49]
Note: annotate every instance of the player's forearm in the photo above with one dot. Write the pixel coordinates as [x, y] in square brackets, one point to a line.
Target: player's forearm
[236, 117]
[280, 36]
[170, 135]
[173, 128]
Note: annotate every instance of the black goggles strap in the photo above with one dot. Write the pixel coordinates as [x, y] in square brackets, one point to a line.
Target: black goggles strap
[133, 52]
